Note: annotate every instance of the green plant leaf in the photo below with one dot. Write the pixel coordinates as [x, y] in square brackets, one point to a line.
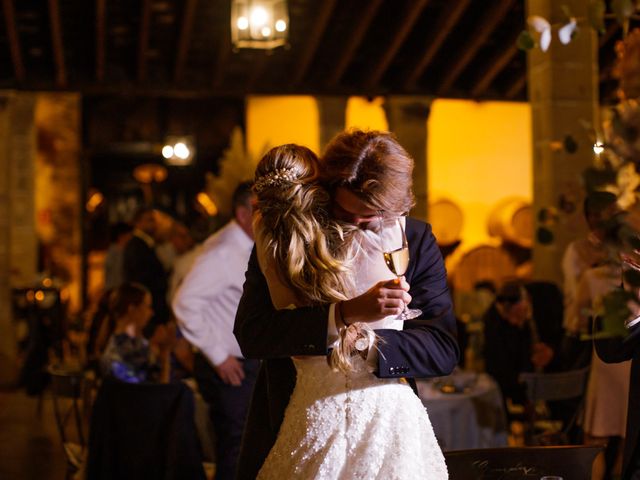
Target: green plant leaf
[597, 9]
[570, 144]
[544, 236]
[616, 311]
[525, 41]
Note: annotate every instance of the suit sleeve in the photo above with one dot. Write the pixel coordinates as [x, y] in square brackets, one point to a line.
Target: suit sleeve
[427, 347]
[264, 332]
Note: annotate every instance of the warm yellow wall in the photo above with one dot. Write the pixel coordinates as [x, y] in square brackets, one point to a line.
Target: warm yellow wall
[365, 114]
[274, 120]
[478, 154]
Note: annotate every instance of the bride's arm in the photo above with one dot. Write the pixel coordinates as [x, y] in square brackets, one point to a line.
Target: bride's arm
[264, 332]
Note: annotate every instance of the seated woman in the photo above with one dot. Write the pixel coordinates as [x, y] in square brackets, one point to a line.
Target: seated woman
[128, 356]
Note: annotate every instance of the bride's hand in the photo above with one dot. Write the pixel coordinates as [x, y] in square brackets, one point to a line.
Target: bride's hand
[383, 299]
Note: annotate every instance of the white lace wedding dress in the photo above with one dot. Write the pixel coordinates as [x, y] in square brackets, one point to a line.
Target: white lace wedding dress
[354, 426]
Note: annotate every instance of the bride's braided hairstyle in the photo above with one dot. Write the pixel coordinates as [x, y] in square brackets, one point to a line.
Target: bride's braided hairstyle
[308, 249]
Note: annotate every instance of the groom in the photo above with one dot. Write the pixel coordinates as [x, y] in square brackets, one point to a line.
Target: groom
[366, 173]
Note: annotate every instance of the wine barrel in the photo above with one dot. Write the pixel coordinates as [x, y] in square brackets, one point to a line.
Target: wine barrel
[511, 220]
[483, 262]
[446, 219]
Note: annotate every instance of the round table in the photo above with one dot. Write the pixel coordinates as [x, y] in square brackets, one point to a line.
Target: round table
[471, 417]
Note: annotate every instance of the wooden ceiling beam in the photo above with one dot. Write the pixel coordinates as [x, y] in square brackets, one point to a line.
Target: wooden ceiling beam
[57, 44]
[143, 40]
[351, 45]
[320, 22]
[258, 70]
[516, 87]
[408, 20]
[101, 38]
[184, 40]
[496, 65]
[14, 40]
[476, 40]
[445, 23]
[223, 9]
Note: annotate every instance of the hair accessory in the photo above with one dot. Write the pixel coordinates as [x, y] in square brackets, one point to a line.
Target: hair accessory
[275, 177]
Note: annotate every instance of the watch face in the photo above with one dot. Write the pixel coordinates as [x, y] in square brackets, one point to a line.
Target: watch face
[362, 344]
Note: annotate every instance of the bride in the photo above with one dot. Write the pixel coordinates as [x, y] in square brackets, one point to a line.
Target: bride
[342, 421]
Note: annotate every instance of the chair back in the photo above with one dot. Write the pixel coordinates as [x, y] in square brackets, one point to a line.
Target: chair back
[568, 462]
[555, 386]
[69, 389]
[143, 431]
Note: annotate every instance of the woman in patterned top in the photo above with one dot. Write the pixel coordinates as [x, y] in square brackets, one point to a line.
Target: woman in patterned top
[129, 356]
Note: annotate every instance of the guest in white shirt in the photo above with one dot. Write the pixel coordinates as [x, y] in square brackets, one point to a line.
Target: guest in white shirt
[205, 307]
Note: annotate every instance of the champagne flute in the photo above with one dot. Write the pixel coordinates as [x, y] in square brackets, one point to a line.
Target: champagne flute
[395, 249]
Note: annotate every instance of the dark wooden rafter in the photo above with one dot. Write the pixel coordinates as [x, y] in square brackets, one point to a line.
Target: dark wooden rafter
[260, 65]
[351, 45]
[221, 59]
[407, 21]
[57, 44]
[143, 39]
[14, 39]
[101, 38]
[475, 41]
[516, 87]
[445, 23]
[496, 65]
[224, 45]
[313, 40]
[184, 40]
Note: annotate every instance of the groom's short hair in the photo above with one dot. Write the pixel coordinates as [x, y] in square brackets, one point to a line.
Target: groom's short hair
[374, 166]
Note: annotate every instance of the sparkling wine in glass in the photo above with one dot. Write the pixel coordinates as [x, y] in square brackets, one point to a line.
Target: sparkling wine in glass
[396, 255]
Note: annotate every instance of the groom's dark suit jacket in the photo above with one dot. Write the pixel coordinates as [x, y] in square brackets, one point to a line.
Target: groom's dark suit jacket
[618, 350]
[425, 348]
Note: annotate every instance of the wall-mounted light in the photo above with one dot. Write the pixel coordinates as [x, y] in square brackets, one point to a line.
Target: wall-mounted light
[150, 173]
[259, 23]
[207, 204]
[95, 200]
[179, 151]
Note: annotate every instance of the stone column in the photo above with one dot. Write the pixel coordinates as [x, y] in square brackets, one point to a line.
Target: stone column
[407, 117]
[332, 112]
[58, 200]
[563, 91]
[18, 244]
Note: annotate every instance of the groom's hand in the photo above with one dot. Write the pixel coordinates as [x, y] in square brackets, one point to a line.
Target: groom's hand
[383, 299]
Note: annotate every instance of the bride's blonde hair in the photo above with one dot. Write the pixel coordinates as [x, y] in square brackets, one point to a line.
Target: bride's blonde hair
[308, 249]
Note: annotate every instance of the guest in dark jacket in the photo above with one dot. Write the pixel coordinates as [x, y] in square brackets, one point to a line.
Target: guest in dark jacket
[141, 265]
[512, 342]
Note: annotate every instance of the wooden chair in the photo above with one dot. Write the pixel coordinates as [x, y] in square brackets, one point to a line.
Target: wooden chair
[547, 387]
[568, 462]
[141, 431]
[70, 404]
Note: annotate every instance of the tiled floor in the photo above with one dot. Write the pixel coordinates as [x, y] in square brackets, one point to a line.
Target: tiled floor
[30, 447]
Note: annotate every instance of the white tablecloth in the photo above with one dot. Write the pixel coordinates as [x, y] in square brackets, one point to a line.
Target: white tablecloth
[474, 418]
